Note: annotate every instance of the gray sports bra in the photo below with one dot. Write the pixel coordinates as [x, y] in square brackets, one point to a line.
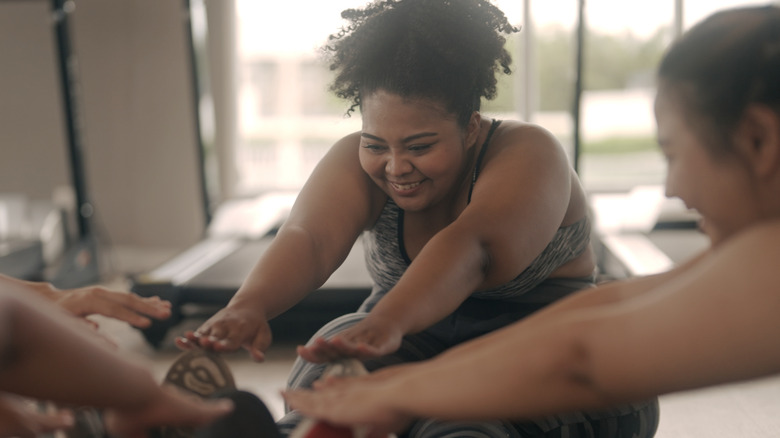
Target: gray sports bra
[387, 260]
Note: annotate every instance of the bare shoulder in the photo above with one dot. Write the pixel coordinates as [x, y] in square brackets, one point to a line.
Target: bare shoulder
[347, 144]
[519, 142]
[514, 134]
[760, 242]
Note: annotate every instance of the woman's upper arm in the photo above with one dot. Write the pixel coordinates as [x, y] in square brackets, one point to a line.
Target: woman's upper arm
[716, 323]
[520, 199]
[337, 202]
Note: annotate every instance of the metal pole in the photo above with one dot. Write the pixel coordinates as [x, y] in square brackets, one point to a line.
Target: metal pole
[196, 95]
[67, 68]
[526, 89]
[679, 16]
[578, 85]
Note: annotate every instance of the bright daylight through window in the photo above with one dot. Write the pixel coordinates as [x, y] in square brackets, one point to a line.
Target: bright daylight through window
[286, 118]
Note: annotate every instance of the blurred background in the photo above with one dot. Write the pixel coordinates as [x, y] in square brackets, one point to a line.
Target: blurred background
[139, 120]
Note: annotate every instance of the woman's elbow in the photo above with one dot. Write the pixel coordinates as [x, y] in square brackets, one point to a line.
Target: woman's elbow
[580, 368]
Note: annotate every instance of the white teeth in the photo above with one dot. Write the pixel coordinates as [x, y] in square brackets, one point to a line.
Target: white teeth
[405, 186]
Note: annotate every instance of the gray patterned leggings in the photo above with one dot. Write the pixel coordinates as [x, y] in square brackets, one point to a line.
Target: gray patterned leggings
[472, 319]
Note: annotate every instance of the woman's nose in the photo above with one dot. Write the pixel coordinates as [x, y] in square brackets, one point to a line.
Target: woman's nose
[398, 165]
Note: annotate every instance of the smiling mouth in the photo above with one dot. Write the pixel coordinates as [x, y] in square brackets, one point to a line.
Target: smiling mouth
[404, 187]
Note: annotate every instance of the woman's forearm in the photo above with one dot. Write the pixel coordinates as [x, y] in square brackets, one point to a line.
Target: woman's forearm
[713, 323]
[443, 275]
[46, 290]
[291, 268]
[46, 355]
[512, 376]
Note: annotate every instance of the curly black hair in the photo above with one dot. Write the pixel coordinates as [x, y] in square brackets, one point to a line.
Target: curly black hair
[444, 50]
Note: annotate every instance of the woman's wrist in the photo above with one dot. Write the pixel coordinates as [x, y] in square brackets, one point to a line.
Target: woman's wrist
[46, 290]
[404, 385]
[387, 319]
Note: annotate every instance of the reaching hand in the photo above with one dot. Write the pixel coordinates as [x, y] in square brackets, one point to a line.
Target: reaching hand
[170, 407]
[20, 419]
[371, 337]
[124, 306]
[230, 329]
[352, 401]
[97, 300]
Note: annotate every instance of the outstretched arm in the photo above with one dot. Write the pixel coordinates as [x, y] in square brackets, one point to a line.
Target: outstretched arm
[98, 300]
[523, 196]
[713, 324]
[335, 205]
[45, 355]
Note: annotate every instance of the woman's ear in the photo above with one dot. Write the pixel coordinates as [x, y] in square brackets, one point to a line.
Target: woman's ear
[758, 138]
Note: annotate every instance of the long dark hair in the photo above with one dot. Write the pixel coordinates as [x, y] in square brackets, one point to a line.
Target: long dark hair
[723, 64]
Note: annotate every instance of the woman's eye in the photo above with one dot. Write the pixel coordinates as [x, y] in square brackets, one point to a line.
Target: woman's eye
[419, 147]
[373, 147]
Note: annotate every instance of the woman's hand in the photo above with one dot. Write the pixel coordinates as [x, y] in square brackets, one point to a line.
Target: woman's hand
[372, 337]
[230, 329]
[19, 418]
[124, 306]
[170, 407]
[98, 300]
[353, 401]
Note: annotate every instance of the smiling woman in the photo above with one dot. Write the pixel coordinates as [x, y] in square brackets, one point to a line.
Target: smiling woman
[469, 223]
[708, 321]
[417, 156]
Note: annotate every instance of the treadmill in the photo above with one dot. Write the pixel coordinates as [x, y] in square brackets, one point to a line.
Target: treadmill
[643, 233]
[202, 279]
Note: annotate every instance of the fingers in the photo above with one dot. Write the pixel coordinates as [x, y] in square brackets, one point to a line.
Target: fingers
[170, 408]
[151, 306]
[45, 423]
[303, 400]
[124, 306]
[323, 350]
[229, 330]
[320, 351]
[259, 345]
[18, 419]
[187, 341]
[210, 335]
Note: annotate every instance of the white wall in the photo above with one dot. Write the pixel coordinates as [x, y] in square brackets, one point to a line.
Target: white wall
[138, 119]
[32, 142]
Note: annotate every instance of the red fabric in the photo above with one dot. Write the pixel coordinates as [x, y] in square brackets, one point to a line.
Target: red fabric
[326, 430]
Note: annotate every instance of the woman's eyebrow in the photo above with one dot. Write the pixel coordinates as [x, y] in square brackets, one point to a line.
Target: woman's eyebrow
[405, 140]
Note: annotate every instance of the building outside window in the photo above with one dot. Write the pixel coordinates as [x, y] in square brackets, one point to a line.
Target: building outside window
[287, 118]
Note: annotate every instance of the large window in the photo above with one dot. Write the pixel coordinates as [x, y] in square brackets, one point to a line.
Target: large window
[287, 119]
[623, 45]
